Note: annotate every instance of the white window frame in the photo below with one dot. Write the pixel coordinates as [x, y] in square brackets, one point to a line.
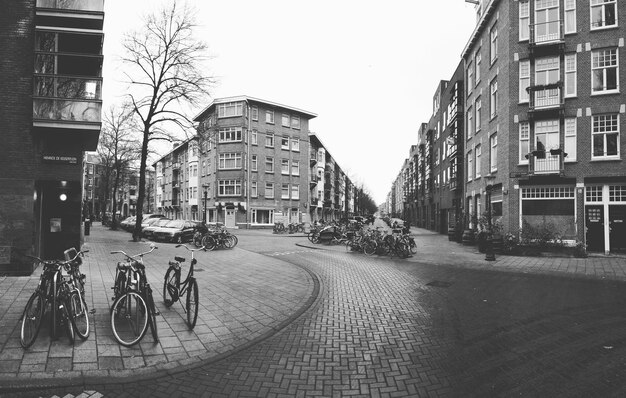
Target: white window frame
[284, 166]
[548, 5]
[230, 161]
[254, 161]
[254, 138]
[477, 61]
[230, 109]
[295, 145]
[524, 81]
[570, 17]
[569, 143]
[230, 134]
[284, 190]
[602, 4]
[295, 191]
[477, 161]
[269, 164]
[269, 140]
[470, 77]
[254, 110]
[223, 186]
[284, 143]
[524, 20]
[571, 76]
[524, 142]
[596, 130]
[493, 152]
[285, 120]
[493, 44]
[477, 110]
[269, 190]
[295, 168]
[295, 122]
[254, 189]
[470, 166]
[470, 122]
[493, 98]
[269, 117]
[595, 67]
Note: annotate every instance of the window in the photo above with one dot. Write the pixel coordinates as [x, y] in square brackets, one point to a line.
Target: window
[605, 136]
[295, 145]
[285, 120]
[570, 139]
[570, 16]
[254, 190]
[477, 164]
[524, 20]
[547, 23]
[547, 71]
[570, 75]
[269, 140]
[295, 191]
[470, 166]
[470, 74]
[254, 137]
[255, 113]
[524, 142]
[230, 134]
[493, 40]
[477, 60]
[284, 166]
[229, 187]
[230, 161]
[477, 106]
[604, 71]
[284, 143]
[470, 122]
[493, 158]
[603, 14]
[493, 103]
[255, 163]
[295, 168]
[269, 164]
[269, 190]
[230, 109]
[524, 80]
[284, 191]
[269, 117]
[295, 122]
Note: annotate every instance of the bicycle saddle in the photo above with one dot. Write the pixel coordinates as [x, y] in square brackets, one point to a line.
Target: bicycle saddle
[179, 259]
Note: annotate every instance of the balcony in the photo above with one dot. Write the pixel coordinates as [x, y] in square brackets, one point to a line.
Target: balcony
[546, 97]
[76, 5]
[546, 33]
[175, 166]
[313, 181]
[81, 14]
[314, 202]
[546, 162]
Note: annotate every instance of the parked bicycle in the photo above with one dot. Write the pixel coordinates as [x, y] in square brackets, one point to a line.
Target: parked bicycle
[174, 289]
[133, 307]
[68, 309]
[218, 238]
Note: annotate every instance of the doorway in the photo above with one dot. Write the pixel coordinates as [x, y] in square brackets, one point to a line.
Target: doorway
[617, 228]
[594, 223]
[229, 218]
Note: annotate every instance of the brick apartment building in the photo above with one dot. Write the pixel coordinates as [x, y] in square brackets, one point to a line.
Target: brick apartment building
[51, 106]
[546, 74]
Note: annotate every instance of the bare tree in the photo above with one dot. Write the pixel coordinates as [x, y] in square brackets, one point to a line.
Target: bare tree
[165, 72]
[118, 149]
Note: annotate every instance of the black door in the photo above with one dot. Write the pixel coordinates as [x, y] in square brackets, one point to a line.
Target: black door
[617, 228]
[60, 203]
[594, 221]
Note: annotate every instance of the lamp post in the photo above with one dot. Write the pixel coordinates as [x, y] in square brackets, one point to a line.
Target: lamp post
[205, 187]
[489, 254]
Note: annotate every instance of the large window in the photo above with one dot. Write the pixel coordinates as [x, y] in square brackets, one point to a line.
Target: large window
[229, 188]
[570, 16]
[603, 14]
[477, 106]
[230, 161]
[570, 139]
[269, 117]
[524, 142]
[285, 120]
[524, 20]
[470, 78]
[604, 71]
[230, 109]
[477, 164]
[470, 166]
[493, 102]
[255, 113]
[230, 134]
[493, 41]
[477, 61]
[295, 122]
[261, 216]
[254, 190]
[295, 191]
[269, 164]
[547, 21]
[254, 162]
[269, 140]
[605, 136]
[284, 191]
[470, 122]
[269, 190]
[295, 168]
[284, 166]
[493, 158]
[524, 80]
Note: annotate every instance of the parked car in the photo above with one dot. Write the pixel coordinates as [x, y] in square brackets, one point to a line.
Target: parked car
[148, 232]
[178, 231]
[128, 223]
[149, 222]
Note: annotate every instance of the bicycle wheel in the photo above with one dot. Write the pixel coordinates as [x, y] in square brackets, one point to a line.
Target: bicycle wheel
[170, 287]
[129, 319]
[79, 315]
[197, 239]
[119, 288]
[31, 319]
[229, 242]
[65, 319]
[209, 243]
[412, 247]
[235, 239]
[369, 247]
[192, 303]
[152, 313]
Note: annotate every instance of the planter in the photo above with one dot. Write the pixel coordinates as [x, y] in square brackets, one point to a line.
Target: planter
[451, 233]
[468, 237]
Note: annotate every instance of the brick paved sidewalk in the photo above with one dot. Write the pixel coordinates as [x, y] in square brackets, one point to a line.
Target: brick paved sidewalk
[244, 297]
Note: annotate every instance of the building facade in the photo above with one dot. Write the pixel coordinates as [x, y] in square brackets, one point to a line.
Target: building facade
[51, 110]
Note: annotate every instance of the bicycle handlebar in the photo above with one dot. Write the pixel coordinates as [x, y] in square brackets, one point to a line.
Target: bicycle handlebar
[57, 261]
[191, 250]
[135, 255]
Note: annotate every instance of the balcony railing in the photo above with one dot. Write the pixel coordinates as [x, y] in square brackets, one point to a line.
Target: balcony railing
[81, 5]
[546, 162]
[546, 96]
[67, 110]
[546, 32]
[71, 87]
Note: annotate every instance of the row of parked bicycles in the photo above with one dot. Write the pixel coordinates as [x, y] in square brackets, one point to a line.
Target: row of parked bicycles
[395, 242]
[60, 297]
[292, 228]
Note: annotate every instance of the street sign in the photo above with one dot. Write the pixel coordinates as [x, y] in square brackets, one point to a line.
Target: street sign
[518, 175]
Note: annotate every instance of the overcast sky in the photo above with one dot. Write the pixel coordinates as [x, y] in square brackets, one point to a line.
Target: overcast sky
[368, 69]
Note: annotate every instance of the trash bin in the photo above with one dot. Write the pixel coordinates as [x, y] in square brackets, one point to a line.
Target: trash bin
[87, 226]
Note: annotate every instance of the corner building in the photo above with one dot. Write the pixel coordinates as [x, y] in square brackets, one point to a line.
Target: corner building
[254, 167]
[544, 115]
[50, 108]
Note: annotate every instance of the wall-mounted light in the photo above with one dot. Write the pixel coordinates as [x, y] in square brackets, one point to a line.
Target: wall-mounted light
[63, 197]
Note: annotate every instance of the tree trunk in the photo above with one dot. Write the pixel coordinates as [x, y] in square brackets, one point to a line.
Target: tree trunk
[142, 183]
[114, 209]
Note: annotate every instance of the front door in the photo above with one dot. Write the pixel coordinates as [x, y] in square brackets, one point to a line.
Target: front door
[594, 222]
[229, 220]
[617, 228]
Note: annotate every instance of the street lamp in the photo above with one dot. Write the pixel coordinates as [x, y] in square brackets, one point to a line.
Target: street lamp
[205, 187]
[489, 254]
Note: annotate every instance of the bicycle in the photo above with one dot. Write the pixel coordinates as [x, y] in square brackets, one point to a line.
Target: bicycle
[219, 238]
[66, 304]
[173, 288]
[133, 307]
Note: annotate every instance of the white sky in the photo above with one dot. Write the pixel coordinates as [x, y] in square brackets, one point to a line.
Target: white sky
[368, 69]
